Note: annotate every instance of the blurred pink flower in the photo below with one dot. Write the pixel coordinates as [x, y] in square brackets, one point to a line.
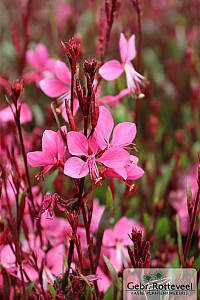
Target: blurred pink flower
[59, 87]
[96, 215]
[113, 100]
[53, 261]
[178, 199]
[78, 145]
[109, 99]
[41, 63]
[52, 154]
[104, 282]
[6, 114]
[112, 69]
[123, 133]
[115, 240]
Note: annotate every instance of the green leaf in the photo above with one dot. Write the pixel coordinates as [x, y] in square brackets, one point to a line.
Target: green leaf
[29, 288]
[104, 222]
[89, 286]
[147, 221]
[65, 264]
[196, 264]
[113, 275]
[162, 228]
[162, 184]
[179, 237]
[175, 263]
[22, 205]
[52, 290]
[6, 282]
[48, 182]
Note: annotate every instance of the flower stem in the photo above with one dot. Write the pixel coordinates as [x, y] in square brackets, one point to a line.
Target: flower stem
[19, 129]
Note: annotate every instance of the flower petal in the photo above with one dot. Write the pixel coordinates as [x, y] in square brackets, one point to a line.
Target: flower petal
[123, 47]
[112, 100]
[104, 127]
[111, 70]
[76, 168]
[121, 172]
[62, 72]
[31, 58]
[39, 159]
[51, 64]
[134, 172]
[77, 143]
[52, 143]
[115, 158]
[123, 134]
[131, 52]
[53, 87]
[42, 54]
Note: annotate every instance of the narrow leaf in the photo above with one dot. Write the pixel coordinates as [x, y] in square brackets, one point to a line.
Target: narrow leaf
[6, 282]
[113, 275]
[52, 290]
[89, 287]
[179, 237]
[29, 288]
[22, 205]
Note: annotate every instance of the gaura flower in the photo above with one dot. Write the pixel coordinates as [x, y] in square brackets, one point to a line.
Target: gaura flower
[52, 154]
[112, 69]
[79, 145]
[123, 134]
[59, 86]
[115, 242]
[41, 63]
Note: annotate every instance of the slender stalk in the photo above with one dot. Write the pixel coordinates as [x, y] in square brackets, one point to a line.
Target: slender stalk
[87, 229]
[72, 91]
[192, 224]
[17, 119]
[136, 4]
[18, 252]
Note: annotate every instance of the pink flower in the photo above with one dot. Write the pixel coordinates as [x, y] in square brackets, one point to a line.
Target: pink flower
[6, 114]
[109, 99]
[112, 69]
[132, 172]
[104, 282]
[52, 154]
[41, 63]
[113, 100]
[116, 239]
[78, 145]
[123, 133]
[59, 86]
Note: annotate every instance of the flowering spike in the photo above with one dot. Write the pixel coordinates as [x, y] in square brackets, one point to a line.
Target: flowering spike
[15, 90]
[140, 256]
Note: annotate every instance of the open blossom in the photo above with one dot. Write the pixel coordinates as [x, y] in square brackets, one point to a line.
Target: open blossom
[112, 69]
[59, 86]
[41, 63]
[123, 134]
[79, 145]
[114, 242]
[52, 154]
